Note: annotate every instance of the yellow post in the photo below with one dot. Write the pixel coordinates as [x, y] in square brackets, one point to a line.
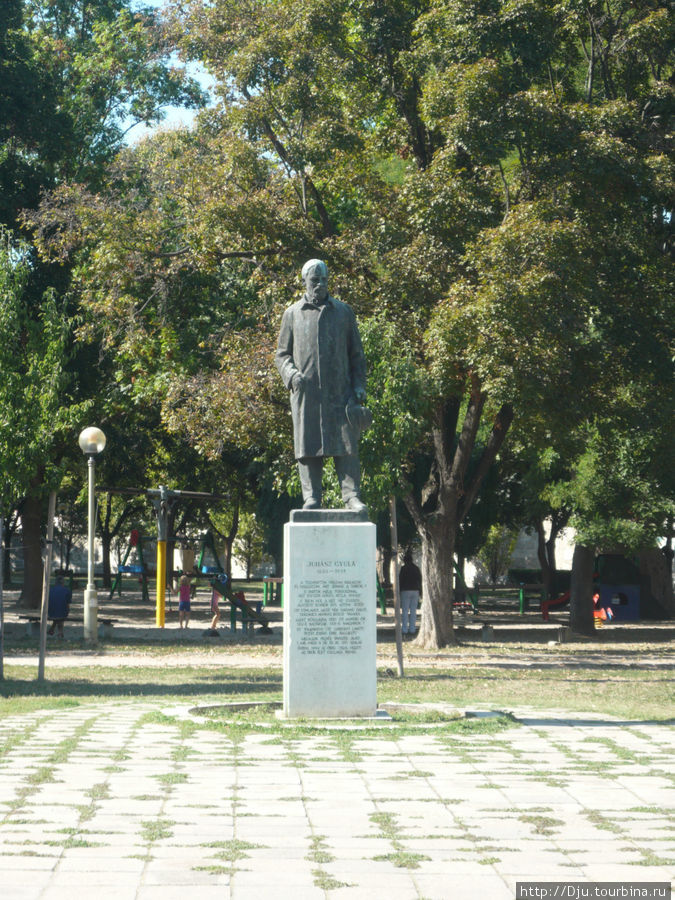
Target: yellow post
[161, 583]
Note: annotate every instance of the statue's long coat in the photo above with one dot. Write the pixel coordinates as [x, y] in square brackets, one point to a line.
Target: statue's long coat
[323, 344]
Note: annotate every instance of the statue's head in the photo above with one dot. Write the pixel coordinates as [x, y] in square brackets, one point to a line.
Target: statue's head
[315, 276]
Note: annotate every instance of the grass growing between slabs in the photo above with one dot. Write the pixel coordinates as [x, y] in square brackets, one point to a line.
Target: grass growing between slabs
[631, 693]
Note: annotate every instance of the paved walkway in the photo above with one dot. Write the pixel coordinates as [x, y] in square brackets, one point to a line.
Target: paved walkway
[114, 800]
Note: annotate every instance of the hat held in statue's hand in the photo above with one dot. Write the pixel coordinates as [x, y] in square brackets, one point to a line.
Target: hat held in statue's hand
[359, 417]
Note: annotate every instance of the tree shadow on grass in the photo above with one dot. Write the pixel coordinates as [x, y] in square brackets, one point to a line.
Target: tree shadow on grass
[83, 688]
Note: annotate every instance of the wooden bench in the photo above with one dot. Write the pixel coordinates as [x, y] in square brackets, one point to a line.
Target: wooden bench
[105, 626]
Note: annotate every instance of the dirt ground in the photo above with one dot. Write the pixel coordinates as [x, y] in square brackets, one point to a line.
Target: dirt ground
[496, 636]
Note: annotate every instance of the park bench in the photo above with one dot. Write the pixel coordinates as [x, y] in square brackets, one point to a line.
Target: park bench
[273, 590]
[526, 590]
[105, 626]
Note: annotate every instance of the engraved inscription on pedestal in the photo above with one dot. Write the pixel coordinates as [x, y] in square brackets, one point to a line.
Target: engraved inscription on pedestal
[330, 614]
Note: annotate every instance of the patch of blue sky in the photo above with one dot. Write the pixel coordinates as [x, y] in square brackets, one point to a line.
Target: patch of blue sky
[174, 116]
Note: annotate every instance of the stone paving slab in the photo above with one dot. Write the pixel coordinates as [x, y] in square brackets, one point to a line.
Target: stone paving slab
[104, 801]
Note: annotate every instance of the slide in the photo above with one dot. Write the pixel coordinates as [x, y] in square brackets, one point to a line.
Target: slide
[239, 601]
[559, 601]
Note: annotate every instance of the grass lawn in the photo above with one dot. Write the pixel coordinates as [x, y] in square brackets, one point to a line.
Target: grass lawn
[632, 693]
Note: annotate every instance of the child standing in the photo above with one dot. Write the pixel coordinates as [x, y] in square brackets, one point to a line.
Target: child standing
[215, 608]
[184, 602]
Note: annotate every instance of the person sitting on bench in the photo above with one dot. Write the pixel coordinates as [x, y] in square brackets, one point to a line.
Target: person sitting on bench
[59, 605]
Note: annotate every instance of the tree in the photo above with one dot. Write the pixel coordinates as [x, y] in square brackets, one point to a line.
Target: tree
[496, 551]
[76, 76]
[493, 176]
[622, 493]
[249, 543]
[33, 378]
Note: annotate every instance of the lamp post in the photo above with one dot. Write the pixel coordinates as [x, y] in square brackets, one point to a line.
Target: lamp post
[92, 441]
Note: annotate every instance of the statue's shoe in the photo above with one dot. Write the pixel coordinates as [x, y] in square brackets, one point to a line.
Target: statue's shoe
[355, 504]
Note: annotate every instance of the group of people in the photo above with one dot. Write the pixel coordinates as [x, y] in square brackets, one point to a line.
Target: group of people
[410, 585]
[61, 596]
[185, 592]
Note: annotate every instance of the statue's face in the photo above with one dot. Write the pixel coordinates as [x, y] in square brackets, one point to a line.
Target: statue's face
[316, 285]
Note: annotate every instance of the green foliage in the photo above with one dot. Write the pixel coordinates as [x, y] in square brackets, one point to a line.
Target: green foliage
[249, 544]
[491, 186]
[109, 68]
[33, 380]
[623, 492]
[497, 549]
[398, 400]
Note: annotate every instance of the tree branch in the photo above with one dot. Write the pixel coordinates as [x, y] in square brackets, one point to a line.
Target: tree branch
[326, 223]
[500, 428]
[415, 511]
[507, 197]
[467, 439]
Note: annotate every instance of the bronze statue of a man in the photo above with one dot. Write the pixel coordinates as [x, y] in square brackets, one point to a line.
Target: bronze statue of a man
[321, 361]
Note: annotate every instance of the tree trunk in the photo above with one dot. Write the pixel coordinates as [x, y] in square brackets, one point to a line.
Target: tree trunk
[106, 550]
[31, 520]
[230, 539]
[581, 591]
[654, 565]
[438, 540]
[552, 565]
[106, 538]
[9, 529]
[668, 549]
[227, 550]
[445, 500]
[387, 557]
[542, 556]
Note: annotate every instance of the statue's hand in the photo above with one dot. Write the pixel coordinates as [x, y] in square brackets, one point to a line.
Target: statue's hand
[360, 395]
[297, 381]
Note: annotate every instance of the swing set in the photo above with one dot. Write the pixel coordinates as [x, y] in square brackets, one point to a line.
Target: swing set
[134, 562]
[138, 568]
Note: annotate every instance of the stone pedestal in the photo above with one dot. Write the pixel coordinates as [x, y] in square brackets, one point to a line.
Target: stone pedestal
[330, 615]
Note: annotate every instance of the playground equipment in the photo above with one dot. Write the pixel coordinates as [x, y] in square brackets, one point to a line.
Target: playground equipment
[381, 595]
[207, 545]
[273, 590]
[238, 602]
[617, 591]
[525, 591]
[547, 605]
[163, 501]
[138, 568]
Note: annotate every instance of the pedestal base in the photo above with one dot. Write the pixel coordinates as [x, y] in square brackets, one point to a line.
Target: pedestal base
[330, 615]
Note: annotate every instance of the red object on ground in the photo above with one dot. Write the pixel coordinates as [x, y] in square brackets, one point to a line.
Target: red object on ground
[559, 601]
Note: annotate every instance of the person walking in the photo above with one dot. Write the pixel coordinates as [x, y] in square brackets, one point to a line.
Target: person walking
[410, 586]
